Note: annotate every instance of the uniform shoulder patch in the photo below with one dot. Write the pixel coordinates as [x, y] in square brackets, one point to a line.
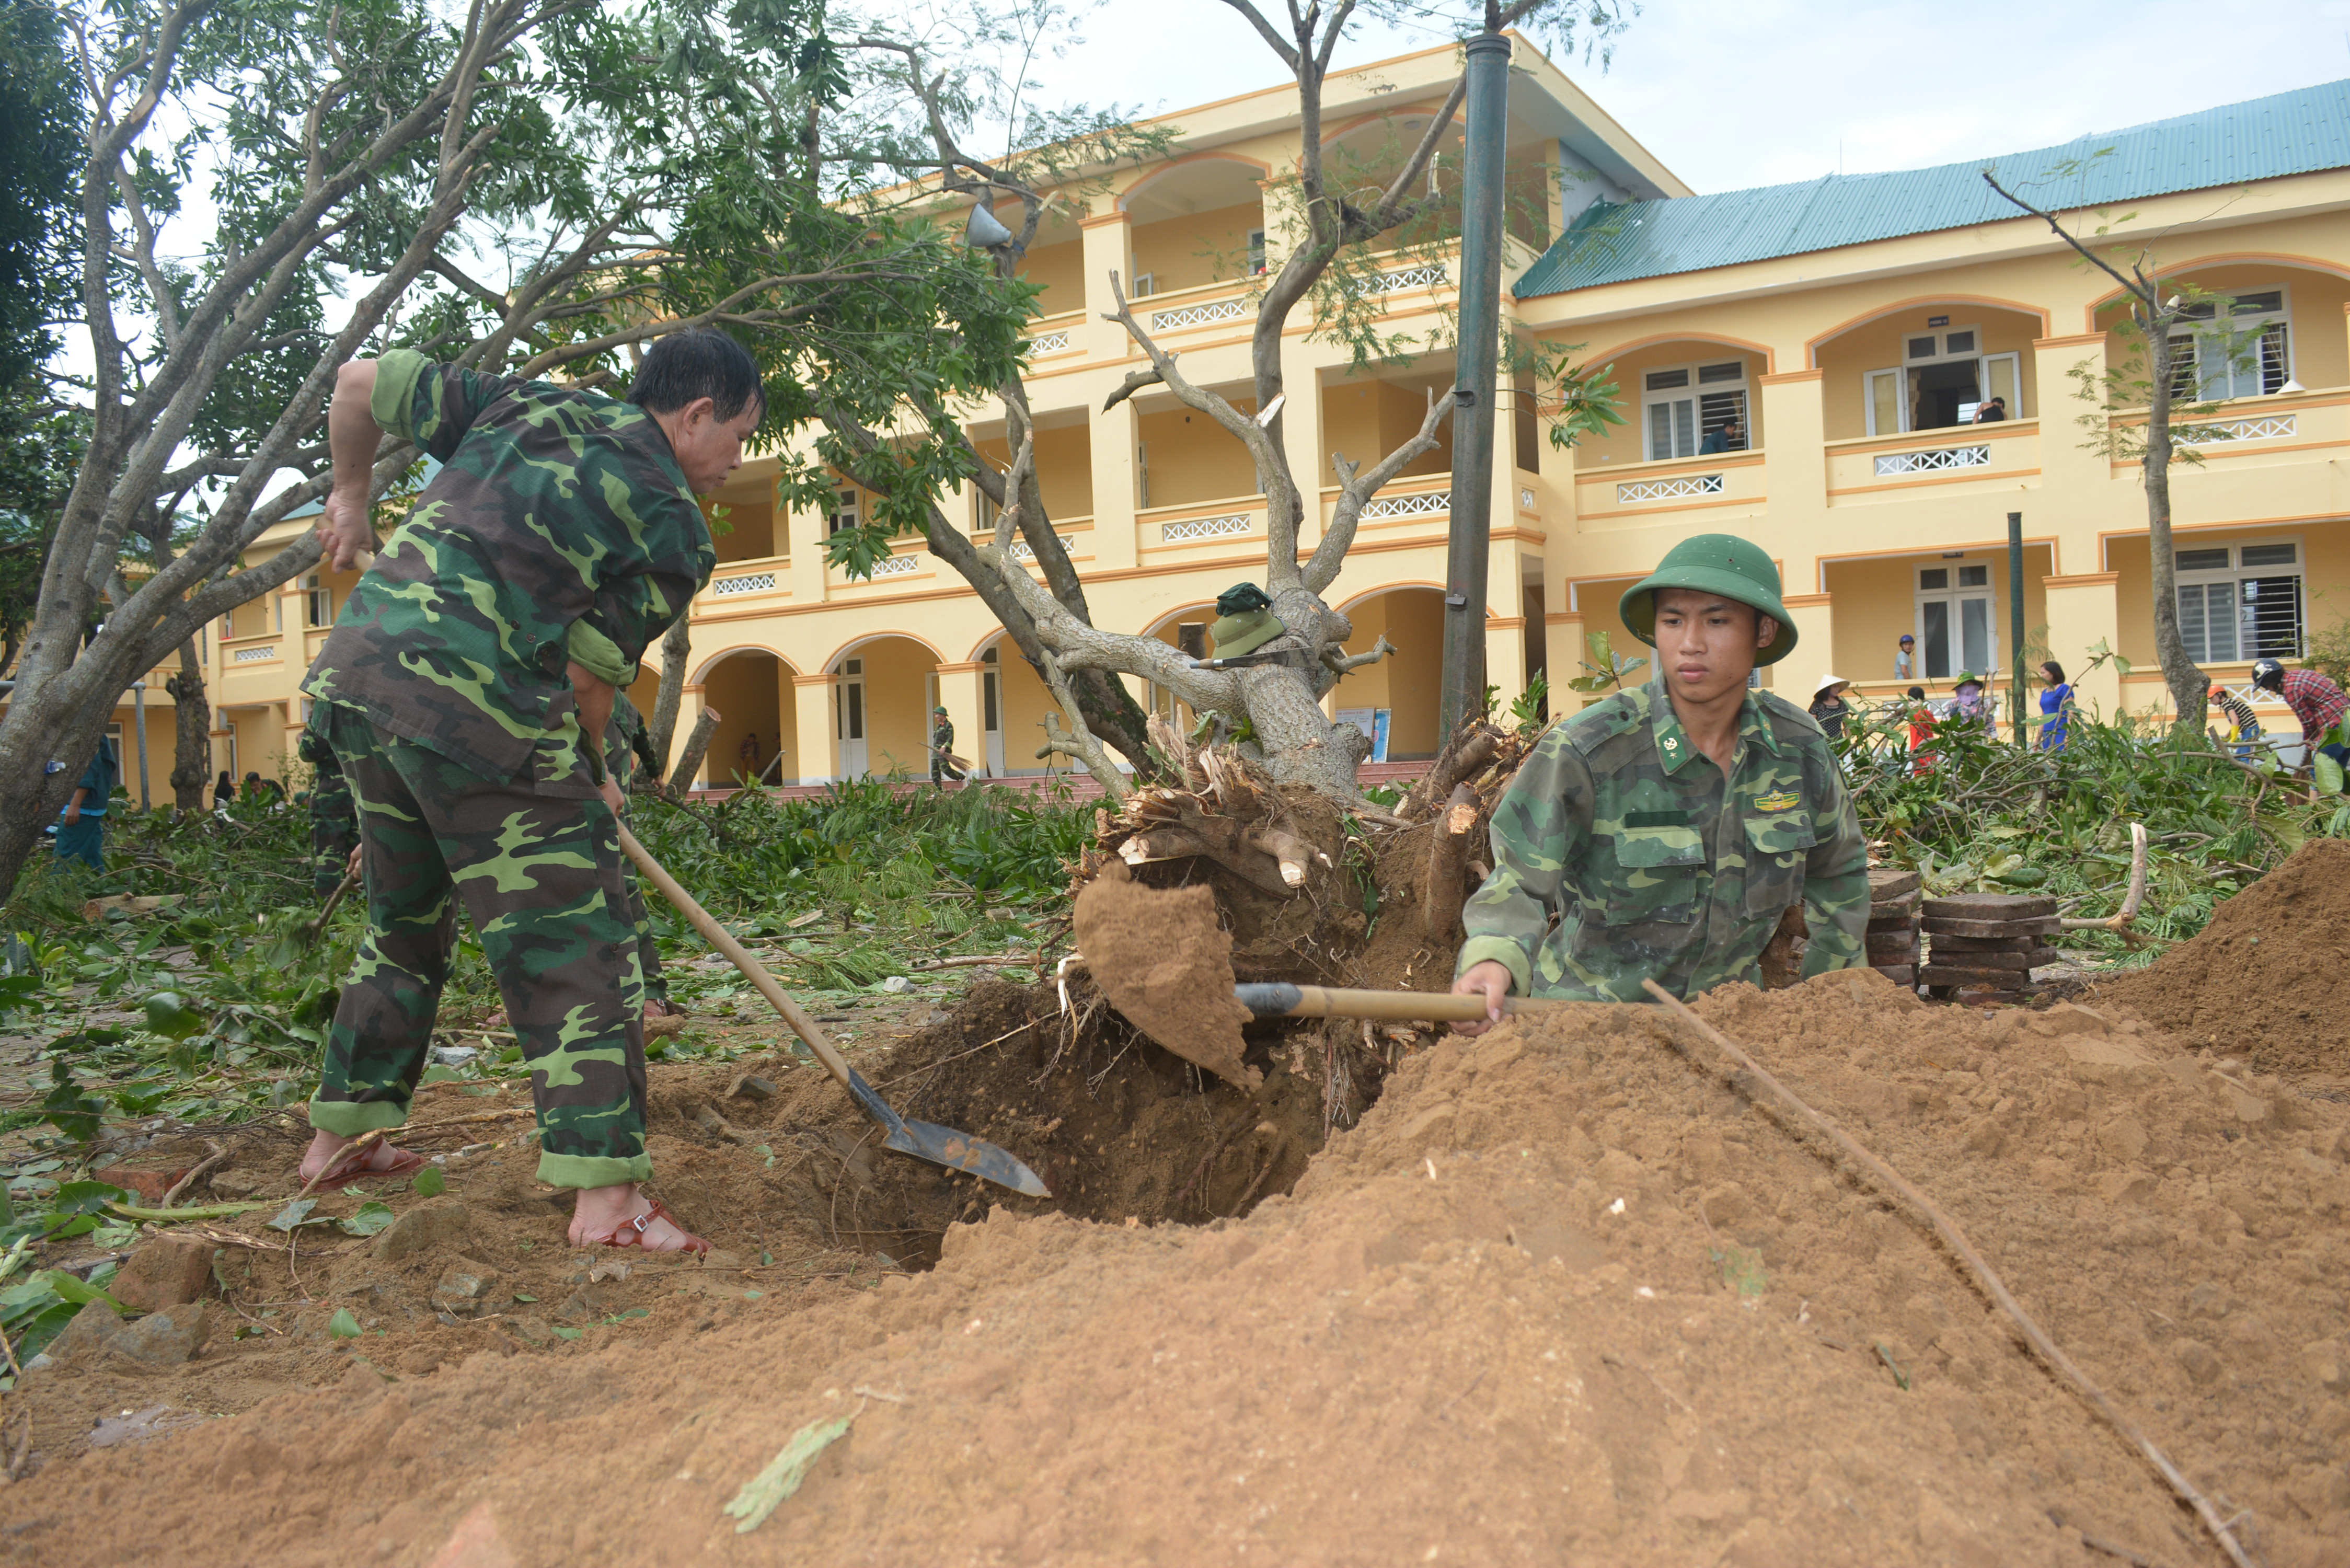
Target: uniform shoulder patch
[1602, 721]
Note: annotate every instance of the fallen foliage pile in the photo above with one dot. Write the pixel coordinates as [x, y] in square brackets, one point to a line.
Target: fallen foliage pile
[1563, 1297]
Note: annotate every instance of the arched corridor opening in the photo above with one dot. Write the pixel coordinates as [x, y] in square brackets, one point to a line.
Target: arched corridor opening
[758, 718]
[883, 690]
[1406, 685]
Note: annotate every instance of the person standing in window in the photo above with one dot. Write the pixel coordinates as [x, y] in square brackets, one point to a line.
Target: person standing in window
[1829, 710]
[1729, 436]
[1905, 659]
[1990, 410]
[2056, 704]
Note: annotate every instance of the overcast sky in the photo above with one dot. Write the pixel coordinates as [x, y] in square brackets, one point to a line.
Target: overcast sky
[1731, 93]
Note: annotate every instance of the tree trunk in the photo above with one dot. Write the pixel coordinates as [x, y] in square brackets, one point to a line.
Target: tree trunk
[676, 648]
[2189, 690]
[1447, 866]
[681, 777]
[191, 732]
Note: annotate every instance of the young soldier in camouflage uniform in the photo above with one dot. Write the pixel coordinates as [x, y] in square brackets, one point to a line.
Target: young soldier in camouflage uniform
[943, 766]
[467, 688]
[1667, 829]
[334, 824]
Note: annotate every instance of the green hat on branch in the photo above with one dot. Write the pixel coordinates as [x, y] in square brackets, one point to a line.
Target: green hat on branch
[1720, 564]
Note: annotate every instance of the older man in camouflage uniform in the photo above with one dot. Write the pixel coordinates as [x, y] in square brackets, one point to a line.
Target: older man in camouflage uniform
[467, 690]
[1661, 833]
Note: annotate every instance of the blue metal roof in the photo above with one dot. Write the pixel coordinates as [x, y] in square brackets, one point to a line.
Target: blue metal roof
[2290, 133]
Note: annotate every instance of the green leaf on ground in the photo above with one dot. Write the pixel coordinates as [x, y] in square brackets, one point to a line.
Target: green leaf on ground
[343, 1325]
[370, 1219]
[429, 1182]
[293, 1214]
[767, 1491]
[570, 1333]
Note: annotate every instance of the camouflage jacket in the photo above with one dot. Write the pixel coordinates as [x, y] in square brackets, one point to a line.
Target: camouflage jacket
[559, 529]
[1623, 854]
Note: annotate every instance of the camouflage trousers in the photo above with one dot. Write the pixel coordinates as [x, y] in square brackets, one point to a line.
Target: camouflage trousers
[334, 827]
[542, 878]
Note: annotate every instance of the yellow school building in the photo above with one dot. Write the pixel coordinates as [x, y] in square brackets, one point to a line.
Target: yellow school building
[1801, 363]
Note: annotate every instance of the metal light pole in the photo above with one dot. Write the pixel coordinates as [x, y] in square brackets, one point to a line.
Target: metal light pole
[2015, 614]
[138, 721]
[1472, 415]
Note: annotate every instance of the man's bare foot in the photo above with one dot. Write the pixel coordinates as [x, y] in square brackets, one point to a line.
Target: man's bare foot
[382, 1159]
[601, 1214]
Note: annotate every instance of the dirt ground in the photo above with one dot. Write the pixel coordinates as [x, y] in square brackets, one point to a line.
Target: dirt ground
[1564, 1295]
[2268, 981]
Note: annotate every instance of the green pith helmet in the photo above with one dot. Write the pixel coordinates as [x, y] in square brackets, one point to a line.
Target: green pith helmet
[1720, 564]
[1235, 634]
[1241, 598]
[940, 710]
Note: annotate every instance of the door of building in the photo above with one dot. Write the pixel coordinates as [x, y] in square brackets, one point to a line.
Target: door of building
[991, 696]
[1956, 628]
[849, 717]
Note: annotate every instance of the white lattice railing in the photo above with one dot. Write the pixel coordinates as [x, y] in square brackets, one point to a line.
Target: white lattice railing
[2267, 428]
[1934, 460]
[1022, 550]
[1428, 275]
[1048, 342]
[753, 583]
[1427, 503]
[252, 655]
[1197, 315]
[897, 565]
[1205, 528]
[1669, 489]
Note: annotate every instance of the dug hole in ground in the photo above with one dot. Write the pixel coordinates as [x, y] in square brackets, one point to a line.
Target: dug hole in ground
[1564, 1293]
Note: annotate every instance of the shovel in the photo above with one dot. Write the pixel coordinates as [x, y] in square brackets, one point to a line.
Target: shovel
[923, 1140]
[1281, 999]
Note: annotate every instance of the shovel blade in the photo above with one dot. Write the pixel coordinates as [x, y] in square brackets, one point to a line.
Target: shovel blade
[959, 1151]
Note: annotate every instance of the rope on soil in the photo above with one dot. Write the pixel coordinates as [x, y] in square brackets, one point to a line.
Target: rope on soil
[1985, 1277]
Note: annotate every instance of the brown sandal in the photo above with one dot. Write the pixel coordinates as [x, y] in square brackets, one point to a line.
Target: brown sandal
[631, 1232]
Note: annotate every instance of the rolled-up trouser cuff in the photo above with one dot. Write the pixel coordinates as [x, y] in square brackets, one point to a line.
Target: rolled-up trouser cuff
[593, 1170]
[349, 1118]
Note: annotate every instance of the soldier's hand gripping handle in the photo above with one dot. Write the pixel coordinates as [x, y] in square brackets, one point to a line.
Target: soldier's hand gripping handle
[1489, 980]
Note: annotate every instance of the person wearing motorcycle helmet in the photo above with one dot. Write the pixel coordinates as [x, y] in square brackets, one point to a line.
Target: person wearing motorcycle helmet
[2314, 700]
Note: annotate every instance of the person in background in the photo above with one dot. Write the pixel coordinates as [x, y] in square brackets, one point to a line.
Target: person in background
[942, 764]
[2244, 726]
[81, 827]
[2056, 703]
[1829, 710]
[747, 754]
[2314, 700]
[1990, 410]
[1968, 703]
[1921, 729]
[1729, 436]
[1905, 658]
[223, 792]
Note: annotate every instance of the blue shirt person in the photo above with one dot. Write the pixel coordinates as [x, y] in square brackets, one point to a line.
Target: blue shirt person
[81, 827]
[2056, 702]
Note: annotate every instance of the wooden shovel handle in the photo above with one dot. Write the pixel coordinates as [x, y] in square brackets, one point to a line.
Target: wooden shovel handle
[1327, 1002]
[719, 937]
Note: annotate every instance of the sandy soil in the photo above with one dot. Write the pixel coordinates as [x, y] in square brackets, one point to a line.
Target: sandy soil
[1563, 1297]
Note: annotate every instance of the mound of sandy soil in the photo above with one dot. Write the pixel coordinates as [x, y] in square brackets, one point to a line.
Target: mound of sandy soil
[2268, 981]
[1563, 1297]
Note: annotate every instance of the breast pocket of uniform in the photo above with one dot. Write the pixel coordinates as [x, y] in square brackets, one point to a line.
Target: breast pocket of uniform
[1778, 845]
[1655, 876]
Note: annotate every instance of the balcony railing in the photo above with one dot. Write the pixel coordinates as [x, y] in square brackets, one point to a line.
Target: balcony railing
[1053, 333]
[1933, 459]
[1998, 453]
[2271, 427]
[1227, 526]
[758, 575]
[1159, 529]
[1629, 494]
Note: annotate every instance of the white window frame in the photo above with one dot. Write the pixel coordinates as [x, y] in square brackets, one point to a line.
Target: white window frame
[2212, 360]
[1694, 394]
[847, 502]
[1905, 402]
[2237, 573]
[1142, 473]
[1146, 284]
[318, 601]
[1256, 253]
[1954, 597]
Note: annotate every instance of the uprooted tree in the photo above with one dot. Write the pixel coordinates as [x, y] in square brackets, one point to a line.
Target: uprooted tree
[904, 443]
[526, 186]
